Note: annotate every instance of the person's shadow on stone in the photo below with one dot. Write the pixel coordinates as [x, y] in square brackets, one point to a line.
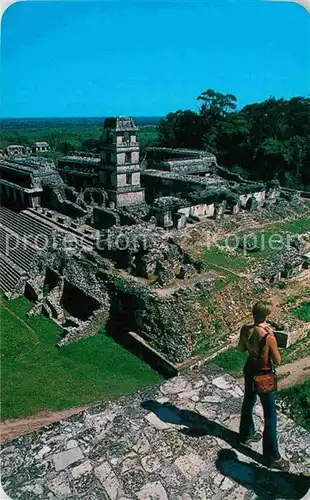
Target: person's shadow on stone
[266, 484]
[197, 425]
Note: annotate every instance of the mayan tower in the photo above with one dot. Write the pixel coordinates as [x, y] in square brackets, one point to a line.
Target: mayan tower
[120, 168]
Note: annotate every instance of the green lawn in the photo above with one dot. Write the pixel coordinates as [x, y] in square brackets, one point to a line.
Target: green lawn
[269, 240]
[36, 375]
[232, 361]
[302, 312]
[298, 226]
[215, 258]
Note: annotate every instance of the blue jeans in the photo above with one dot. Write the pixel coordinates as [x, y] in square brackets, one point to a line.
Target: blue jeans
[268, 400]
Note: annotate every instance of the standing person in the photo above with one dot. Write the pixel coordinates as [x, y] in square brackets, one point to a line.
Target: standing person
[260, 343]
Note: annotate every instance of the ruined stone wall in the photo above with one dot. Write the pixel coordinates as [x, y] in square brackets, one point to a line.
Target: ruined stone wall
[159, 184]
[168, 323]
[72, 209]
[127, 219]
[273, 194]
[130, 198]
[260, 197]
[105, 218]
[203, 209]
[139, 249]
[294, 192]
[85, 329]
[74, 279]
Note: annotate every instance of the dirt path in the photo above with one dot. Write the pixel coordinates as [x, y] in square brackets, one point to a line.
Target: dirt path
[10, 429]
[297, 372]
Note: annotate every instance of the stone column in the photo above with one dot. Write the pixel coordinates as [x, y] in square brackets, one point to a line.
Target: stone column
[31, 204]
[22, 198]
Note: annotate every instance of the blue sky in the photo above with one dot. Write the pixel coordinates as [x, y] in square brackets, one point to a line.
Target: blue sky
[148, 58]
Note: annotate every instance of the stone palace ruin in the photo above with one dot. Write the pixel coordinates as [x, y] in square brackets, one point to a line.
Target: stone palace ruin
[92, 241]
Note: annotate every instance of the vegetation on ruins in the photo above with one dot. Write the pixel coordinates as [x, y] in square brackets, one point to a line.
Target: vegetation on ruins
[38, 376]
[261, 141]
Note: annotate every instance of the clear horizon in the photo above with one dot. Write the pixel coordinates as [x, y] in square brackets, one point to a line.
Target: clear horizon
[96, 59]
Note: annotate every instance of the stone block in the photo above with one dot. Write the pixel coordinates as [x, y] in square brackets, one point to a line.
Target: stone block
[84, 468]
[152, 491]
[65, 458]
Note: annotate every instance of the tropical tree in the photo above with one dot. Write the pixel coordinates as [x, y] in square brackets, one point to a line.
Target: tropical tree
[215, 105]
[182, 129]
[266, 139]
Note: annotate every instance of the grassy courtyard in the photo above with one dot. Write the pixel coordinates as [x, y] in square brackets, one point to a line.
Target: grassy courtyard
[36, 375]
[269, 240]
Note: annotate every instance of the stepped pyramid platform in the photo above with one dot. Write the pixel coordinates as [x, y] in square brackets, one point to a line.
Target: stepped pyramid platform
[23, 235]
[20, 238]
[177, 441]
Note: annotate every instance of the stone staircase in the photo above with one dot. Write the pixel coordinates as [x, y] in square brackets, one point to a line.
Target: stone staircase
[82, 238]
[22, 235]
[20, 239]
[35, 232]
[18, 252]
[9, 274]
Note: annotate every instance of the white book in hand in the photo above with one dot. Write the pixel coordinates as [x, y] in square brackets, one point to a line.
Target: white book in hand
[283, 338]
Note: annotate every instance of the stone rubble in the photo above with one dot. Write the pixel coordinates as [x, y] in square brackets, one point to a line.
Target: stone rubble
[156, 445]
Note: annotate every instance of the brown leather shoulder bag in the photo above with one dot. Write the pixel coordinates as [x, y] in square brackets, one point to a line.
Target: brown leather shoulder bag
[266, 380]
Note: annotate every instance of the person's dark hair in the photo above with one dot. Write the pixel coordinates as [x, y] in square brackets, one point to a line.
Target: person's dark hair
[261, 310]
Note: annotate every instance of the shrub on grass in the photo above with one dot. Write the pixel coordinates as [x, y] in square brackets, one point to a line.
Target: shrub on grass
[217, 326]
[292, 300]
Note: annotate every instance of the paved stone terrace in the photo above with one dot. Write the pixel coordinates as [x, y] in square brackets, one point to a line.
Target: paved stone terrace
[177, 441]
